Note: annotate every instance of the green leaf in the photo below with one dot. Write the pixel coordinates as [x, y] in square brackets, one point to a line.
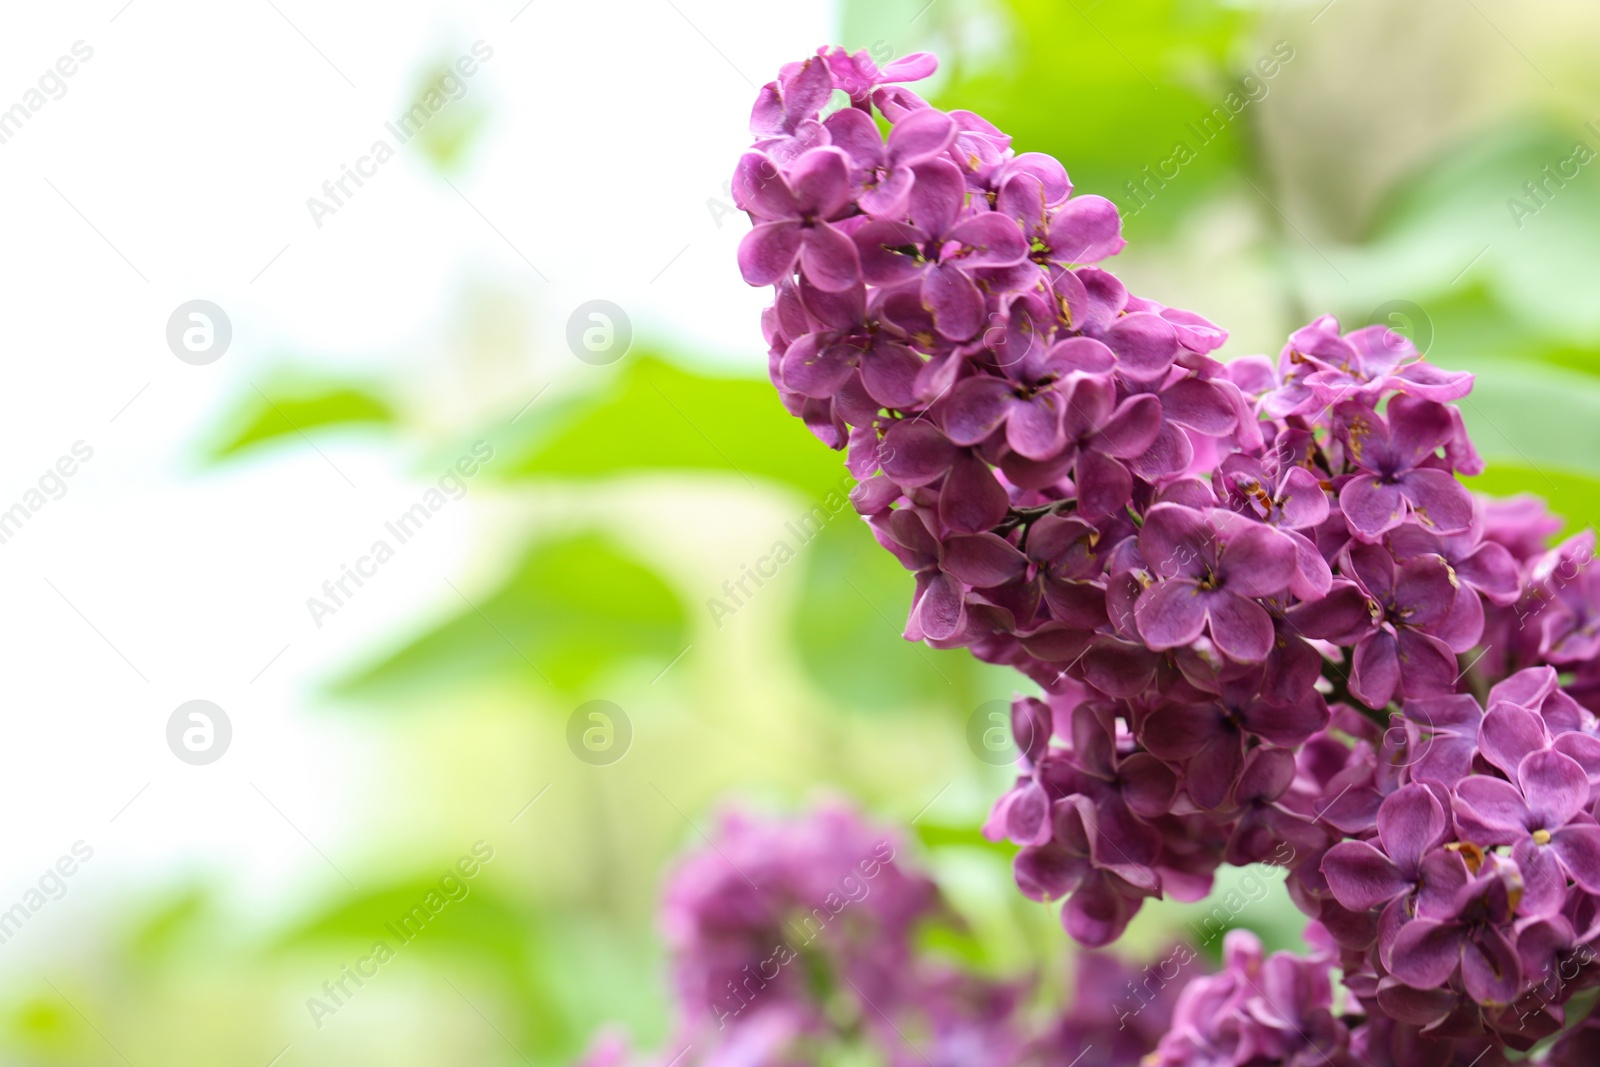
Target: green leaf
[294, 405]
[570, 611]
[652, 416]
[848, 623]
[1468, 218]
[1108, 89]
[1543, 418]
[935, 835]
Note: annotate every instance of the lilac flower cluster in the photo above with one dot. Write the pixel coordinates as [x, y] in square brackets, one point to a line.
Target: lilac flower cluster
[1260, 606]
[792, 941]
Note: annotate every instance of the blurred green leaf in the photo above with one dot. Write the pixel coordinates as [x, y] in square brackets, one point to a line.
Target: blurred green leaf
[1542, 418]
[1469, 219]
[293, 405]
[1110, 89]
[570, 610]
[944, 835]
[419, 917]
[654, 416]
[848, 623]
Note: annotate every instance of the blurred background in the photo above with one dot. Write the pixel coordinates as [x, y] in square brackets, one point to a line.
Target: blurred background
[467, 292]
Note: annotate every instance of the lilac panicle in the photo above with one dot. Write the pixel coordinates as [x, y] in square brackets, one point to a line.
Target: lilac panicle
[1264, 619]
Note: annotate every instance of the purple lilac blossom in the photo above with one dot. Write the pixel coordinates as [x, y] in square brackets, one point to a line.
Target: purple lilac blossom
[1256, 605]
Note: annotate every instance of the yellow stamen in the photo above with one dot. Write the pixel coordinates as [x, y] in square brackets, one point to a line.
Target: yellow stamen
[1541, 837]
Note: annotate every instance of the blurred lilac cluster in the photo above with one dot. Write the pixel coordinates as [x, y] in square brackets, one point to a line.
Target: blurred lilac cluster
[1267, 619]
[795, 941]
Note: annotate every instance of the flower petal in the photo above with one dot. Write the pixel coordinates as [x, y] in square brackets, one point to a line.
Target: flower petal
[1360, 876]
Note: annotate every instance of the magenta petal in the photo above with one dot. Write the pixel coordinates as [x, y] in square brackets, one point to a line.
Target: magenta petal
[1104, 485]
[1508, 734]
[1086, 229]
[853, 130]
[941, 608]
[1257, 561]
[1428, 667]
[1034, 429]
[1375, 669]
[1214, 770]
[983, 560]
[1489, 968]
[889, 374]
[766, 253]
[972, 501]
[1578, 846]
[880, 264]
[1417, 428]
[760, 188]
[1148, 785]
[992, 240]
[1360, 876]
[1437, 500]
[1426, 953]
[1410, 821]
[1554, 786]
[954, 301]
[976, 408]
[937, 196]
[1179, 731]
[1168, 539]
[1302, 499]
[913, 452]
[1494, 805]
[829, 259]
[1544, 884]
[1173, 613]
[1201, 406]
[1097, 914]
[1370, 506]
[1145, 344]
[1131, 428]
[1313, 578]
[1047, 872]
[1241, 628]
[818, 371]
[919, 136]
[821, 182]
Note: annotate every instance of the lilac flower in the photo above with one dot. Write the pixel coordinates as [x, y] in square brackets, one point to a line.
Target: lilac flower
[796, 211]
[885, 172]
[1396, 479]
[1098, 434]
[1209, 739]
[1399, 653]
[939, 250]
[1211, 564]
[1471, 934]
[1220, 577]
[1540, 817]
[858, 75]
